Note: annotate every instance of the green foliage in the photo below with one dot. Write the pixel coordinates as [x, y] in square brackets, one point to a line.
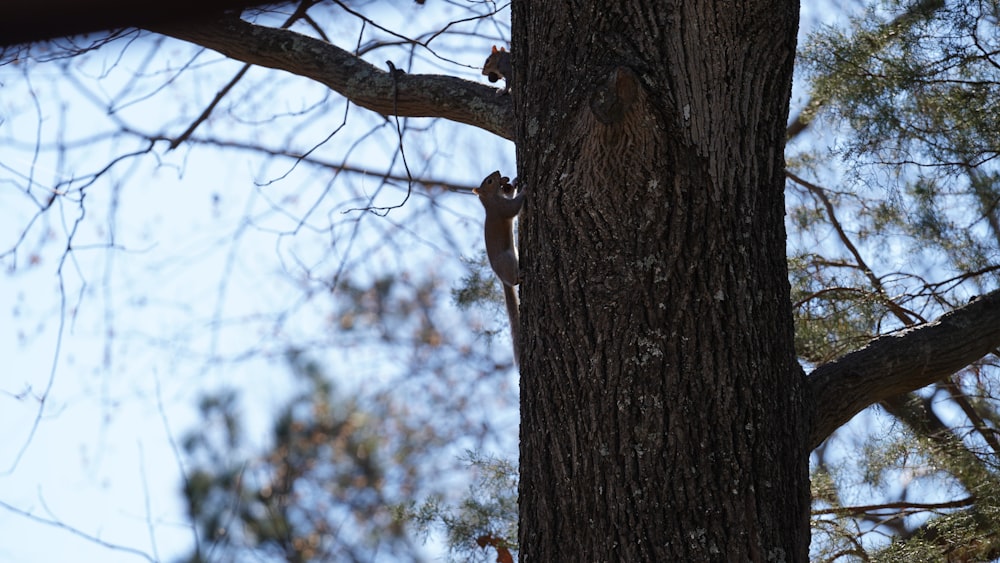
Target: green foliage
[486, 517]
[893, 223]
[478, 285]
[916, 82]
[322, 492]
[478, 288]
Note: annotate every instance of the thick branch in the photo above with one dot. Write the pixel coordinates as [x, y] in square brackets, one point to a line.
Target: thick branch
[902, 362]
[406, 95]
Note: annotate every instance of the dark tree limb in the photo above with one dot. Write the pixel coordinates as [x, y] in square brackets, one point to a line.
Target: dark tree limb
[373, 88]
[901, 362]
[27, 21]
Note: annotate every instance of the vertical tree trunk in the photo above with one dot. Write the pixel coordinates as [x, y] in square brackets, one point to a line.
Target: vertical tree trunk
[663, 414]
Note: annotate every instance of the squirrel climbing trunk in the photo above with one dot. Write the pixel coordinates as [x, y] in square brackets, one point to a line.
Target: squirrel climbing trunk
[513, 313]
[501, 209]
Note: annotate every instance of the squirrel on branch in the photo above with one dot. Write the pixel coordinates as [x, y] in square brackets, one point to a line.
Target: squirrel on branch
[497, 66]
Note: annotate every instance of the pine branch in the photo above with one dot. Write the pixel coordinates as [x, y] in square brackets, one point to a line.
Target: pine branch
[910, 507]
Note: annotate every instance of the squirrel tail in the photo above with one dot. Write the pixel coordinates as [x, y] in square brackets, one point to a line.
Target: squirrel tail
[510, 298]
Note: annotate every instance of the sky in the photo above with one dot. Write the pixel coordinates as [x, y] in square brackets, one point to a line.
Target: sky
[188, 268]
[187, 274]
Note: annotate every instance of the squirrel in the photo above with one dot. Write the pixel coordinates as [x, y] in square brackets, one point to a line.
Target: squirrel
[502, 205]
[497, 66]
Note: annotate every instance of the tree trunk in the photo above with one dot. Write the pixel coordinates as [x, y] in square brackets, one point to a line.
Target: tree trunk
[663, 413]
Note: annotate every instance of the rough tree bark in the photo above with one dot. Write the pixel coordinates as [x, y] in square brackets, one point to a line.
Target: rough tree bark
[664, 417]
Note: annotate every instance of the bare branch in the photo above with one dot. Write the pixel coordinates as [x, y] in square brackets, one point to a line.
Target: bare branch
[408, 95]
[55, 523]
[902, 505]
[208, 110]
[299, 13]
[978, 424]
[904, 316]
[902, 362]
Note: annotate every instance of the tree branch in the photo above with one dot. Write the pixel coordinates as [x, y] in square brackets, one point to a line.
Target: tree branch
[405, 95]
[896, 506]
[902, 362]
